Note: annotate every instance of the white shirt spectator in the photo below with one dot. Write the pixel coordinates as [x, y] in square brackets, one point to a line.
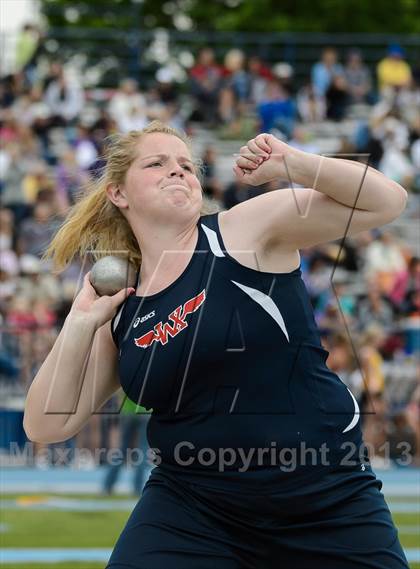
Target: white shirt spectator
[395, 165]
[128, 107]
[64, 99]
[386, 257]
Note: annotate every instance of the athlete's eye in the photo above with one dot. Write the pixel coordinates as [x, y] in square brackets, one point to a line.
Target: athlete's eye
[154, 164]
[187, 167]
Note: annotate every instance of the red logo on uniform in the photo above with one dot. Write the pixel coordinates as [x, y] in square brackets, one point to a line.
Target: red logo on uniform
[161, 331]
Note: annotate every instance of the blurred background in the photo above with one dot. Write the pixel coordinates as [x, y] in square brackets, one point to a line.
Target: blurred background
[332, 77]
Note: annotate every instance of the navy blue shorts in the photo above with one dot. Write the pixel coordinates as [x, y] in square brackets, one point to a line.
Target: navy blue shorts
[179, 525]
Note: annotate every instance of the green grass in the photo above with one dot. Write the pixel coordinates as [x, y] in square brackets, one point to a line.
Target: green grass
[36, 528]
[32, 528]
[407, 540]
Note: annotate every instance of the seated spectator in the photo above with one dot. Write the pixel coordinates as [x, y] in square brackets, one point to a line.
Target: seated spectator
[337, 98]
[70, 177]
[407, 101]
[166, 87]
[20, 316]
[406, 281]
[385, 130]
[393, 71]
[42, 309]
[205, 83]
[65, 100]
[31, 110]
[54, 72]
[212, 189]
[162, 101]
[324, 71]
[13, 196]
[329, 319]
[259, 75]
[34, 113]
[37, 231]
[236, 87]
[374, 309]
[395, 162]
[311, 108]
[37, 179]
[358, 78]
[284, 72]
[35, 282]
[384, 259]
[277, 111]
[346, 301]
[128, 107]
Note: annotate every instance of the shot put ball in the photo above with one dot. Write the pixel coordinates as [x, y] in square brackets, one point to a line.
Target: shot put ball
[111, 274]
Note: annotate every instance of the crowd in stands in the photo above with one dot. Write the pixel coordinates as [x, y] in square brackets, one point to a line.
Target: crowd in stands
[52, 132]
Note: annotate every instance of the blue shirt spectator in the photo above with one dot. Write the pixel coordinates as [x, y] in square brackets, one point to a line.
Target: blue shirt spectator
[277, 110]
[323, 71]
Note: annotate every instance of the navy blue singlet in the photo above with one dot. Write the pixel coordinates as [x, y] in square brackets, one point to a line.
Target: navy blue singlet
[230, 360]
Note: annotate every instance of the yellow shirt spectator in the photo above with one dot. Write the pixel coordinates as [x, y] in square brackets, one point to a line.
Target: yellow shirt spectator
[393, 71]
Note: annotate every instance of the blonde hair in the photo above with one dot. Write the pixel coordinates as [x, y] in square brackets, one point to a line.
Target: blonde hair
[94, 224]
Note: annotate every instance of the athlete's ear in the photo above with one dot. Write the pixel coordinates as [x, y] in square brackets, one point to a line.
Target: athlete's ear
[117, 195]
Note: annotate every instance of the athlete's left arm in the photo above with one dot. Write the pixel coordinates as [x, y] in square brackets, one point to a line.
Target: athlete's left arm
[341, 197]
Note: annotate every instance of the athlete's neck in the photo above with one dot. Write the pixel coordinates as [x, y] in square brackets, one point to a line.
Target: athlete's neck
[165, 249]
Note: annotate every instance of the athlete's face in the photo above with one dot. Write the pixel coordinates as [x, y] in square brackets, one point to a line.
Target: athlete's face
[162, 180]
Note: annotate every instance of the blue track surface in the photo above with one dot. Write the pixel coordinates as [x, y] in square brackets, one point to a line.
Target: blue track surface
[398, 482]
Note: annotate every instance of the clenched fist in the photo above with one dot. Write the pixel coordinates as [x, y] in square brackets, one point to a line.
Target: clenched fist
[265, 158]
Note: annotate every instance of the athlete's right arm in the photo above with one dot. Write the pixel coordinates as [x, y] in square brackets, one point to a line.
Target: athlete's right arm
[79, 374]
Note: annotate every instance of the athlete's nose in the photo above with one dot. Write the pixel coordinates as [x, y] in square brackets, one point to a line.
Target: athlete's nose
[176, 170]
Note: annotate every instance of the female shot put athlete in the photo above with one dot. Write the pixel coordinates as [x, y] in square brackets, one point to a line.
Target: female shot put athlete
[257, 444]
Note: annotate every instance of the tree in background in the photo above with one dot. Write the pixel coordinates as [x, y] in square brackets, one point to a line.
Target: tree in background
[113, 39]
[330, 16]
